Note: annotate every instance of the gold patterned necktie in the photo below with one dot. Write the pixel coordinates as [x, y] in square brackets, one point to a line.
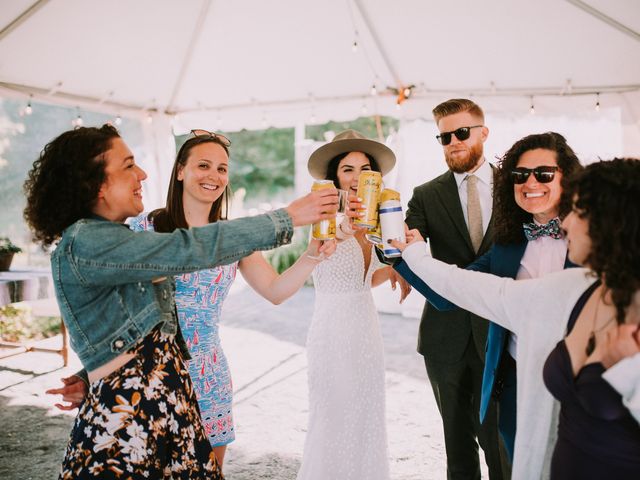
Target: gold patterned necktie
[474, 213]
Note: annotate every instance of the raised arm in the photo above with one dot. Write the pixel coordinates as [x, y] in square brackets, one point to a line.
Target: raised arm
[482, 264]
[509, 303]
[276, 288]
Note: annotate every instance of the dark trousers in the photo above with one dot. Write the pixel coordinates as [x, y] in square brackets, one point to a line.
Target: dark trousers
[457, 387]
[506, 404]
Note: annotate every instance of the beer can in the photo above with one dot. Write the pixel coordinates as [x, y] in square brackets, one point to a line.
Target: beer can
[391, 225]
[324, 229]
[369, 186]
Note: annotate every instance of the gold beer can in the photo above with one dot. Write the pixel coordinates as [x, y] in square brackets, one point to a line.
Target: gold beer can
[369, 186]
[388, 194]
[324, 229]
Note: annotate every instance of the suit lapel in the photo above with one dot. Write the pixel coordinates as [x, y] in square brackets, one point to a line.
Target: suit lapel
[448, 193]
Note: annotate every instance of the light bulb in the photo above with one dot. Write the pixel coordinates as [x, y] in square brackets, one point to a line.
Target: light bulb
[79, 121]
[374, 90]
[118, 120]
[354, 46]
[149, 118]
[28, 110]
[406, 92]
[532, 110]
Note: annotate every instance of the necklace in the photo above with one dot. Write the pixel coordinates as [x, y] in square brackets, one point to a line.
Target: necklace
[591, 343]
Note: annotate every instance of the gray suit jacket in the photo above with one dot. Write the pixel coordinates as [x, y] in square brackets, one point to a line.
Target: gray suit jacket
[436, 212]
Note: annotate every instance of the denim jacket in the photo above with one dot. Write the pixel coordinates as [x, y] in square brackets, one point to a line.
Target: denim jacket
[103, 272]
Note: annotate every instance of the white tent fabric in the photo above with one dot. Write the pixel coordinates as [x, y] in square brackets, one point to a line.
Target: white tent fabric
[233, 64]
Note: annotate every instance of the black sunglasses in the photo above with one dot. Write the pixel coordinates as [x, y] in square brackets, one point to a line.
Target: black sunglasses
[543, 174]
[461, 134]
[207, 134]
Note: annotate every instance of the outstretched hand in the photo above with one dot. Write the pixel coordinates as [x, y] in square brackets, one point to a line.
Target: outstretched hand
[412, 235]
[74, 391]
[321, 249]
[313, 207]
[622, 342]
[396, 279]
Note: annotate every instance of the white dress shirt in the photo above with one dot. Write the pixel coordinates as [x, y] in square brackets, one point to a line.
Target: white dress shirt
[485, 188]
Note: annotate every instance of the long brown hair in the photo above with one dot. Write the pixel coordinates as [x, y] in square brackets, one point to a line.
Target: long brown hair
[170, 217]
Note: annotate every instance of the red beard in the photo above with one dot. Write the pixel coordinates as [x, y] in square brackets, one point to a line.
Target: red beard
[467, 162]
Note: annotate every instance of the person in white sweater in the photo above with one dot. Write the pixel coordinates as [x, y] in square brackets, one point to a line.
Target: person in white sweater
[563, 322]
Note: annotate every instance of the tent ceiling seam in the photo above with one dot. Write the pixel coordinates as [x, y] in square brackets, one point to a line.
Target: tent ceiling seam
[189, 54]
[377, 43]
[20, 19]
[605, 18]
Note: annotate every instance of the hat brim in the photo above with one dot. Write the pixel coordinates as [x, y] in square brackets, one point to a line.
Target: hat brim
[319, 160]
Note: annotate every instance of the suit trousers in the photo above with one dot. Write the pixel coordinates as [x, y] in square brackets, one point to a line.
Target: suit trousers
[457, 388]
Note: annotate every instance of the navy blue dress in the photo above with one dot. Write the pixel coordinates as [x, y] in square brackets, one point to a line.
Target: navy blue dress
[597, 436]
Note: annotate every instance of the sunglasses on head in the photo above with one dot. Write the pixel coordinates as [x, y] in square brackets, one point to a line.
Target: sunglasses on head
[207, 134]
[461, 134]
[542, 174]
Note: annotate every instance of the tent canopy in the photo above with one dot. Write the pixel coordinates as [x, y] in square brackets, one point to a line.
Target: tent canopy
[251, 63]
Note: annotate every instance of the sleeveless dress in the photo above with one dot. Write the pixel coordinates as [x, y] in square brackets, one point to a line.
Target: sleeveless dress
[346, 436]
[597, 436]
[199, 298]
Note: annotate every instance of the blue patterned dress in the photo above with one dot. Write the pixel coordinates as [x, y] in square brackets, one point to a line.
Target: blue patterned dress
[199, 298]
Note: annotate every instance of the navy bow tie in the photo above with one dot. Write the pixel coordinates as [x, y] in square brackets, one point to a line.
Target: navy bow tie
[533, 230]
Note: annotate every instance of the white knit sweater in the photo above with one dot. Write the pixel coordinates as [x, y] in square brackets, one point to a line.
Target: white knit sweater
[537, 311]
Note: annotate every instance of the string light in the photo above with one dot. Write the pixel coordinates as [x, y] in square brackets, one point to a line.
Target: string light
[28, 110]
[149, 118]
[532, 109]
[354, 46]
[598, 102]
[118, 120]
[374, 90]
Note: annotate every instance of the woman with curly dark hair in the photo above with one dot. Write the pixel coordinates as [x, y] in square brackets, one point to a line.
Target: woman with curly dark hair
[115, 290]
[579, 324]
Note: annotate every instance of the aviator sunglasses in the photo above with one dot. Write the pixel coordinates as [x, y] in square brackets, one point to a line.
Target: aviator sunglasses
[461, 134]
[207, 134]
[544, 174]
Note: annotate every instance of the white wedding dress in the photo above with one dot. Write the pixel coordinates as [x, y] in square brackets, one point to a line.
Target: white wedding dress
[346, 437]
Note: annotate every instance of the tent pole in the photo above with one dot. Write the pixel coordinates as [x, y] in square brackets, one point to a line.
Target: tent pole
[189, 54]
[20, 19]
[378, 45]
[604, 18]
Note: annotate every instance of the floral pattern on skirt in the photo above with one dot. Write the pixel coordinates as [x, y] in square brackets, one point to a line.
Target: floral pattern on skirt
[141, 421]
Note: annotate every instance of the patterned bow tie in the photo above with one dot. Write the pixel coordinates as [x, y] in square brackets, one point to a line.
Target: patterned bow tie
[533, 230]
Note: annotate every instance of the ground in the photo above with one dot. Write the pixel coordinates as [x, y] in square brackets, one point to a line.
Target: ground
[265, 347]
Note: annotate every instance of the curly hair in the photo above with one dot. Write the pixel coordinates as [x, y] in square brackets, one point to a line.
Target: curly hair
[332, 167]
[508, 216]
[170, 217]
[606, 194]
[63, 184]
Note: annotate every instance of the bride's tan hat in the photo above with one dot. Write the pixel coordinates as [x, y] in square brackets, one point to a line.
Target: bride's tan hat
[350, 141]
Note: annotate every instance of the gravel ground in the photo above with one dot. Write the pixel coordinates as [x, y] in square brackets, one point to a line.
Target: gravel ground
[265, 346]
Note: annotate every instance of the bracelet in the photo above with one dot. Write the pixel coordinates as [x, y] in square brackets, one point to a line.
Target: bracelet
[317, 259]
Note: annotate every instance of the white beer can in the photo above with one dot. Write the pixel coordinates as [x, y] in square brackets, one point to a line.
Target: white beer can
[391, 226]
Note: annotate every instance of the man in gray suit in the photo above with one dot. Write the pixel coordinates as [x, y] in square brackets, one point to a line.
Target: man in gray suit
[453, 212]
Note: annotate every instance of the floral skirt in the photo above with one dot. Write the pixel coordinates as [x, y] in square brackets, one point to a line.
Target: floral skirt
[141, 421]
